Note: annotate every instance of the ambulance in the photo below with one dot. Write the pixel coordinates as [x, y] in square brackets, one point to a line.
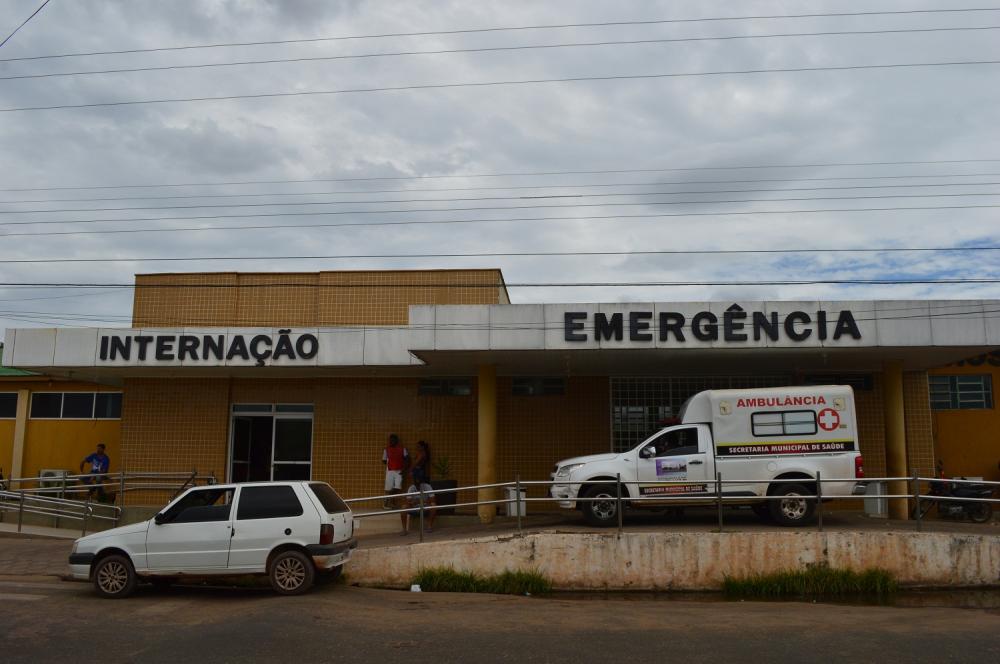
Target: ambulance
[762, 443]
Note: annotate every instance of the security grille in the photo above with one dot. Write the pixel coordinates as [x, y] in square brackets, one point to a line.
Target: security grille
[643, 405]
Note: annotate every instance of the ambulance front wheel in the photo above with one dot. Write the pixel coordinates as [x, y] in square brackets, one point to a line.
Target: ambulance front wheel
[602, 510]
[792, 509]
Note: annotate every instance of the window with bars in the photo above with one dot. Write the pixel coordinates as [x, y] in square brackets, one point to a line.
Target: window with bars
[445, 387]
[640, 406]
[538, 387]
[961, 392]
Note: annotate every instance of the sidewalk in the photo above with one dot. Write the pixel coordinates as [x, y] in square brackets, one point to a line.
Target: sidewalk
[41, 531]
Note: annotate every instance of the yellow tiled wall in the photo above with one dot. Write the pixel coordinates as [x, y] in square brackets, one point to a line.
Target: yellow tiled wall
[179, 425]
[305, 299]
[968, 441]
[57, 443]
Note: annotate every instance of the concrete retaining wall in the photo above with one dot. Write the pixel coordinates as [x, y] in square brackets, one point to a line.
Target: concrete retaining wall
[690, 561]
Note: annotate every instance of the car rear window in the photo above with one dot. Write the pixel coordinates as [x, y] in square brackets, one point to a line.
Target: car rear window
[331, 502]
[268, 502]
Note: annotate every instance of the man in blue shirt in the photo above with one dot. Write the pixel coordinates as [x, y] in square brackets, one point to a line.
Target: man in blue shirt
[99, 464]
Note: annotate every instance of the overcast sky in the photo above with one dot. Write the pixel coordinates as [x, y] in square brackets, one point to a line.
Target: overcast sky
[927, 114]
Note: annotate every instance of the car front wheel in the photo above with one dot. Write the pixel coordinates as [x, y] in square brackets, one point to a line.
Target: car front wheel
[114, 577]
[291, 573]
[603, 509]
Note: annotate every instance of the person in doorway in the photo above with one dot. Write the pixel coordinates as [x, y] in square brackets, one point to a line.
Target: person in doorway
[396, 459]
[413, 505]
[99, 465]
[422, 464]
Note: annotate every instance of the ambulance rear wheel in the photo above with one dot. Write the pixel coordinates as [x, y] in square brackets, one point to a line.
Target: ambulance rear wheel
[603, 511]
[792, 509]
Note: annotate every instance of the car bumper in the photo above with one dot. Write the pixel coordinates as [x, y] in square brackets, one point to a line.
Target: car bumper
[327, 556]
[565, 494]
[859, 489]
[79, 566]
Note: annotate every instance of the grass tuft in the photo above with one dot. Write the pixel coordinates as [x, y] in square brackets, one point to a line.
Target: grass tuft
[447, 580]
[817, 581]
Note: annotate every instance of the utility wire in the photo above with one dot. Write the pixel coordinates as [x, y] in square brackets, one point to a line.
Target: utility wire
[374, 224]
[24, 23]
[490, 49]
[510, 254]
[429, 33]
[515, 198]
[476, 208]
[523, 174]
[484, 84]
[597, 185]
[540, 284]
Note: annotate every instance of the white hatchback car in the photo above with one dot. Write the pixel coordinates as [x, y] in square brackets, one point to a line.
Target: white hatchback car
[295, 532]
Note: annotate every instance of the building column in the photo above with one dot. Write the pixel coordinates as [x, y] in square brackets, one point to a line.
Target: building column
[20, 431]
[486, 453]
[895, 436]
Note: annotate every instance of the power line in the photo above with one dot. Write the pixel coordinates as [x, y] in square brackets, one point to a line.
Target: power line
[525, 174]
[24, 23]
[54, 318]
[483, 84]
[551, 284]
[510, 254]
[596, 185]
[475, 208]
[524, 198]
[428, 33]
[373, 224]
[492, 49]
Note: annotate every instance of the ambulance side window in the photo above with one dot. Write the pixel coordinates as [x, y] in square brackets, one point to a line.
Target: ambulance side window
[674, 443]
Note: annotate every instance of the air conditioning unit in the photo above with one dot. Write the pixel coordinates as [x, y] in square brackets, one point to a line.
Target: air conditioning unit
[52, 479]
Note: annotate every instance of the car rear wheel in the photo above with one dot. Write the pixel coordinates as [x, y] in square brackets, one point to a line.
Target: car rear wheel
[980, 512]
[291, 573]
[603, 511]
[792, 509]
[114, 577]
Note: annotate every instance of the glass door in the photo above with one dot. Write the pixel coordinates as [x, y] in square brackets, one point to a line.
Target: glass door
[270, 442]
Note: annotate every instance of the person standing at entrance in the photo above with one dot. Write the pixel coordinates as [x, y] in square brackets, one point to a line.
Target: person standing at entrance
[396, 459]
[99, 465]
[422, 464]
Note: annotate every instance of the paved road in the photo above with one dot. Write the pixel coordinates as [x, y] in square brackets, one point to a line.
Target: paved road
[49, 620]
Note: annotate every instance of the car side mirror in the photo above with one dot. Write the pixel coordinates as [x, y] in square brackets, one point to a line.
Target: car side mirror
[646, 452]
[159, 519]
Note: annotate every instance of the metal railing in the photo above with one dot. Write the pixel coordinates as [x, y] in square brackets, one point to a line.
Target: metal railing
[73, 496]
[420, 501]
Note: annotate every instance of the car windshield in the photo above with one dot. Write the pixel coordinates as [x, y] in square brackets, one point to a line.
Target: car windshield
[331, 502]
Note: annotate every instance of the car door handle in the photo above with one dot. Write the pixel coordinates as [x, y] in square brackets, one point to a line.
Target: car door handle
[695, 462]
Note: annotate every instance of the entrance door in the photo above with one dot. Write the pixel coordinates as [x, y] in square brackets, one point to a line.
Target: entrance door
[253, 438]
[674, 456]
[271, 442]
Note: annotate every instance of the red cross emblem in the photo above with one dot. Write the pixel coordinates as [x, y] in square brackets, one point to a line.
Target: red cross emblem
[829, 419]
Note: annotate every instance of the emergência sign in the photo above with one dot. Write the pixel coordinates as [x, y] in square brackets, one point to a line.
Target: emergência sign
[736, 325]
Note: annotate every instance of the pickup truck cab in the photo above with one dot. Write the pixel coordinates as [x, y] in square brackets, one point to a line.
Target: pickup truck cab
[756, 436]
[295, 532]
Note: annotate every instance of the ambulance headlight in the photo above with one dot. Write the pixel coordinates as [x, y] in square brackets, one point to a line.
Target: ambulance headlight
[564, 471]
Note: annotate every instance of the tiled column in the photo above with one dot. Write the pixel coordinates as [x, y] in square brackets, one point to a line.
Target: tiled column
[20, 429]
[895, 435]
[487, 449]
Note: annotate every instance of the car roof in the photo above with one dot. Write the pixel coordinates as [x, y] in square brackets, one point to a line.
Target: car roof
[274, 483]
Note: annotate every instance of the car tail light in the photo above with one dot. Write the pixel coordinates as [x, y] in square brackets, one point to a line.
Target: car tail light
[859, 466]
[326, 533]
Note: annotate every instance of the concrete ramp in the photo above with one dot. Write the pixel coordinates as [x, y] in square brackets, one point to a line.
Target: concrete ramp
[690, 561]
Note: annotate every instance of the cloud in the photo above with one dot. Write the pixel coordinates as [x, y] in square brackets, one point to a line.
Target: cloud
[705, 122]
